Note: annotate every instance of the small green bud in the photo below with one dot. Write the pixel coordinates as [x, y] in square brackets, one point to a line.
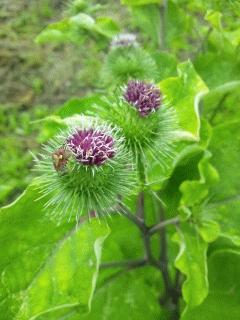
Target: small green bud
[127, 62]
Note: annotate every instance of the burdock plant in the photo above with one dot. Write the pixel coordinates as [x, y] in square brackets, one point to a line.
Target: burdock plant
[85, 169]
[174, 251]
[147, 121]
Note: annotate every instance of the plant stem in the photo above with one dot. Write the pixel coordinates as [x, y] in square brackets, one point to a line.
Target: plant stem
[147, 247]
[163, 258]
[176, 294]
[124, 264]
[162, 224]
[138, 219]
[163, 10]
[130, 216]
[140, 206]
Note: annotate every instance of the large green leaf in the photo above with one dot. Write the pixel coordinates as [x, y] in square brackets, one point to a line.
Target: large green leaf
[76, 28]
[191, 261]
[218, 67]
[58, 32]
[185, 169]
[225, 149]
[47, 268]
[130, 295]
[223, 205]
[77, 105]
[119, 246]
[157, 175]
[82, 20]
[51, 35]
[195, 191]
[105, 26]
[221, 104]
[221, 214]
[184, 93]
[224, 289]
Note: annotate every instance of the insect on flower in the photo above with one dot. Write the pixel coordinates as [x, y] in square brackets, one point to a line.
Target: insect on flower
[60, 158]
[99, 169]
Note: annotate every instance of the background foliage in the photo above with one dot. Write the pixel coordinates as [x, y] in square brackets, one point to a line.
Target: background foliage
[50, 58]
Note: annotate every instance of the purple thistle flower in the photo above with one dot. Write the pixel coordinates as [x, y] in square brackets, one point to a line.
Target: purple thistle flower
[124, 40]
[91, 147]
[145, 97]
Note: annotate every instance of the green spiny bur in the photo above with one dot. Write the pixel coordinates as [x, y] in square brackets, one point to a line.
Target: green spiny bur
[80, 187]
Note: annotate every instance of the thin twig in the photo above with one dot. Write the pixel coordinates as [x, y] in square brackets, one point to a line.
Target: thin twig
[140, 213]
[176, 294]
[163, 204]
[147, 247]
[134, 218]
[177, 287]
[124, 264]
[140, 206]
[163, 257]
[162, 224]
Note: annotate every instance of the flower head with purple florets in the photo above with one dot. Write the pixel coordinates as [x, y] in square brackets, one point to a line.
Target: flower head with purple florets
[85, 168]
[124, 40]
[91, 147]
[145, 97]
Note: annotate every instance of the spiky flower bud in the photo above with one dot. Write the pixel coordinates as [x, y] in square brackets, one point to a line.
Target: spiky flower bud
[125, 63]
[147, 121]
[85, 168]
[124, 40]
[145, 97]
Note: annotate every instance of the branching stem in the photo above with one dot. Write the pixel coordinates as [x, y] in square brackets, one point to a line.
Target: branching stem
[171, 289]
[130, 216]
[163, 258]
[162, 224]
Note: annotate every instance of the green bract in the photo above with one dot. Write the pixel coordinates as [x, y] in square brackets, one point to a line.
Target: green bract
[73, 187]
[153, 134]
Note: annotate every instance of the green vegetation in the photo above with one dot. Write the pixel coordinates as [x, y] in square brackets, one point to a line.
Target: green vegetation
[130, 111]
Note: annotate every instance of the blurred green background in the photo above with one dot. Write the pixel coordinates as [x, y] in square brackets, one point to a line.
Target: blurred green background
[36, 79]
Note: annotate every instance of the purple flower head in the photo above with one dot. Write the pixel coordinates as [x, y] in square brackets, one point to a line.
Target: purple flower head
[91, 147]
[145, 97]
[124, 40]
